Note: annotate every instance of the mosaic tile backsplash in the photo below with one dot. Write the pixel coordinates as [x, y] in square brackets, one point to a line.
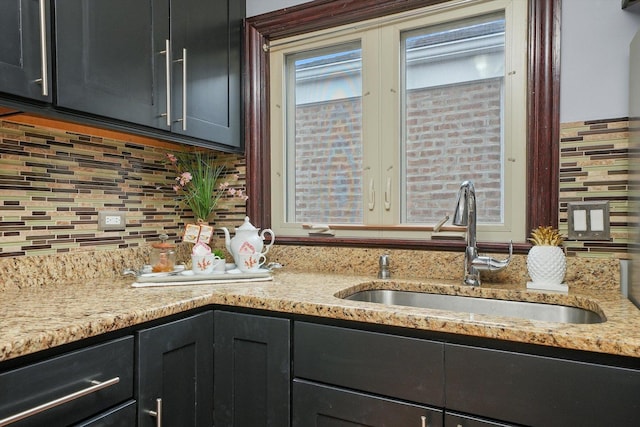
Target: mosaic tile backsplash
[594, 166]
[53, 183]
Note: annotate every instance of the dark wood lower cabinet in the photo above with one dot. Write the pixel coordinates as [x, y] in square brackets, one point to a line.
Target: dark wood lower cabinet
[66, 389]
[316, 405]
[349, 374]
[175, 373]
[344, 376]
[253, 370]
[534, 390]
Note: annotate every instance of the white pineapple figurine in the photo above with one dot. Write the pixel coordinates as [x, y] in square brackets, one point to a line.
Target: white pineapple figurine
[546, 261]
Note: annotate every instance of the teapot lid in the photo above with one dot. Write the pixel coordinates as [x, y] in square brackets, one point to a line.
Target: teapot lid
[247, 226]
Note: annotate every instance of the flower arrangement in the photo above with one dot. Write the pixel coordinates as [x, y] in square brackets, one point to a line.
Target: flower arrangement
[197, 183]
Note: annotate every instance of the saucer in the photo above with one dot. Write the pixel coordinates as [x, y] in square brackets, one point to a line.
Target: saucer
[237, 271]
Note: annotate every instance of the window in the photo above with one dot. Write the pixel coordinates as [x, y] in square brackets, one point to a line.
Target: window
[324, 137]
[374, 127]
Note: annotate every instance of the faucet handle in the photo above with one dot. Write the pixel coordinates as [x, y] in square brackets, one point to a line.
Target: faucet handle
[491, 264]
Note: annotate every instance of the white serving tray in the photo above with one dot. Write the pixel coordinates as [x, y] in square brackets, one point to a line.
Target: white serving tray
[188, 278]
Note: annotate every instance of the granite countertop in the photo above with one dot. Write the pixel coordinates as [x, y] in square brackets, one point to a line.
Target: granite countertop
[40, 318]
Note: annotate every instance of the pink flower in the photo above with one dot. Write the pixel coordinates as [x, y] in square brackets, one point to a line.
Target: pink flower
[176, 188]
[172, 158]
[232, 191]
[184, 178]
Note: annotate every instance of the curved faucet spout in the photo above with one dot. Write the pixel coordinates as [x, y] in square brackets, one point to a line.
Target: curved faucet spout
[465, 215]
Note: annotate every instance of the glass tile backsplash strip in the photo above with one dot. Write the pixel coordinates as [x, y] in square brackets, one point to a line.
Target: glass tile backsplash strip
[54, 182]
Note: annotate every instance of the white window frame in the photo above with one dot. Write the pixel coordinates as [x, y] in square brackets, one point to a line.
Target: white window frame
[386, 224]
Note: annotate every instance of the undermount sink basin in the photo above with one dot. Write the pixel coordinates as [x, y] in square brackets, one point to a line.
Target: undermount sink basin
[467, 304]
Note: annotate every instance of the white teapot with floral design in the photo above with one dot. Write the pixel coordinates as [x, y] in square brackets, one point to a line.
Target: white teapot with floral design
[247, 240]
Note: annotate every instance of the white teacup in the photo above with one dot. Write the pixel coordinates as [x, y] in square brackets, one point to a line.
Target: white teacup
[203, 264]
[250, 263]
[219, 265]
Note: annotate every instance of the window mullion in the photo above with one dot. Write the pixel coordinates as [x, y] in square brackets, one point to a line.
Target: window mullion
[389, 124]
[372, 185]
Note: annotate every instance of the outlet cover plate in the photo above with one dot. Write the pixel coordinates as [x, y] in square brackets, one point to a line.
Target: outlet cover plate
[111, 220]
[588, 220]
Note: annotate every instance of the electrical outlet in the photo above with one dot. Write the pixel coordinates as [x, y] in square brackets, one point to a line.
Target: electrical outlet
[111, 220]
[588, 220]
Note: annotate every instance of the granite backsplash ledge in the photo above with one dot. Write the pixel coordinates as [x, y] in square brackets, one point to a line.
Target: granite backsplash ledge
[41, 270]
[82, 266]
[591, 273]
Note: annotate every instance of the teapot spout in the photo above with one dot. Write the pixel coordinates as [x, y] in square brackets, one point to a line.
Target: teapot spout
[227, 239]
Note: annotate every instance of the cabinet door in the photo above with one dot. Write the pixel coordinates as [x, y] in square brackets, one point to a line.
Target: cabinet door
[316, 405]
[25, 46]
[540, 391]
[175, 373]
[252, 370]
[109, 58]
[208, 34]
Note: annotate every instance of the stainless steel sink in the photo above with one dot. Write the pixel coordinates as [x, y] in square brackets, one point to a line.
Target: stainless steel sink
[466, 304]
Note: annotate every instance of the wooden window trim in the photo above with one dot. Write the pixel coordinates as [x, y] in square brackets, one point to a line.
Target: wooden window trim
[543, 109]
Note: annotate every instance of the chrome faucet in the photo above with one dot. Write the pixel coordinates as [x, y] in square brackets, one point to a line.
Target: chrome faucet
[465, 215]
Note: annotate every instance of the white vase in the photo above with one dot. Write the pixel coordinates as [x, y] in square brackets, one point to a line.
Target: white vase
[546, 265]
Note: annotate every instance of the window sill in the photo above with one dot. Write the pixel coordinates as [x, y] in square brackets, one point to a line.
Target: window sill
[426, 244]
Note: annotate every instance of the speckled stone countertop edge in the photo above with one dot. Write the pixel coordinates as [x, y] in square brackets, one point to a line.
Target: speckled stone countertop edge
[55, 315]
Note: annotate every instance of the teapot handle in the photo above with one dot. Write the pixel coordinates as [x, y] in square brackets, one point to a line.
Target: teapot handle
[273, 239]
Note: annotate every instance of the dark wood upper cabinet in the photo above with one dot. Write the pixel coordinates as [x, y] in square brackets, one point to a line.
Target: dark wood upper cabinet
[207, 34]
[169, 65]
[25, 49]
[108, 58]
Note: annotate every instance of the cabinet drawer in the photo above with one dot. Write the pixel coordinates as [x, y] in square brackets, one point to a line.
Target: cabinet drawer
[75, 385]
[316, 405]
[400, 367]
[540, 391]
[459, 420]
[120, 416]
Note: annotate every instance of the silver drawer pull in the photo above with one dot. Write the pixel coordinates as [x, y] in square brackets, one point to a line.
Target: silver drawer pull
[97, 386]
[157, 413]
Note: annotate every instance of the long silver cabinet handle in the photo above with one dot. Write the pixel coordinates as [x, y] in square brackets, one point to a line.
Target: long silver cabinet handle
[372, 195]
[184, 88]
[158, 412]
[97, 386]
[387, 195]
[44, 80]
[167, 63]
